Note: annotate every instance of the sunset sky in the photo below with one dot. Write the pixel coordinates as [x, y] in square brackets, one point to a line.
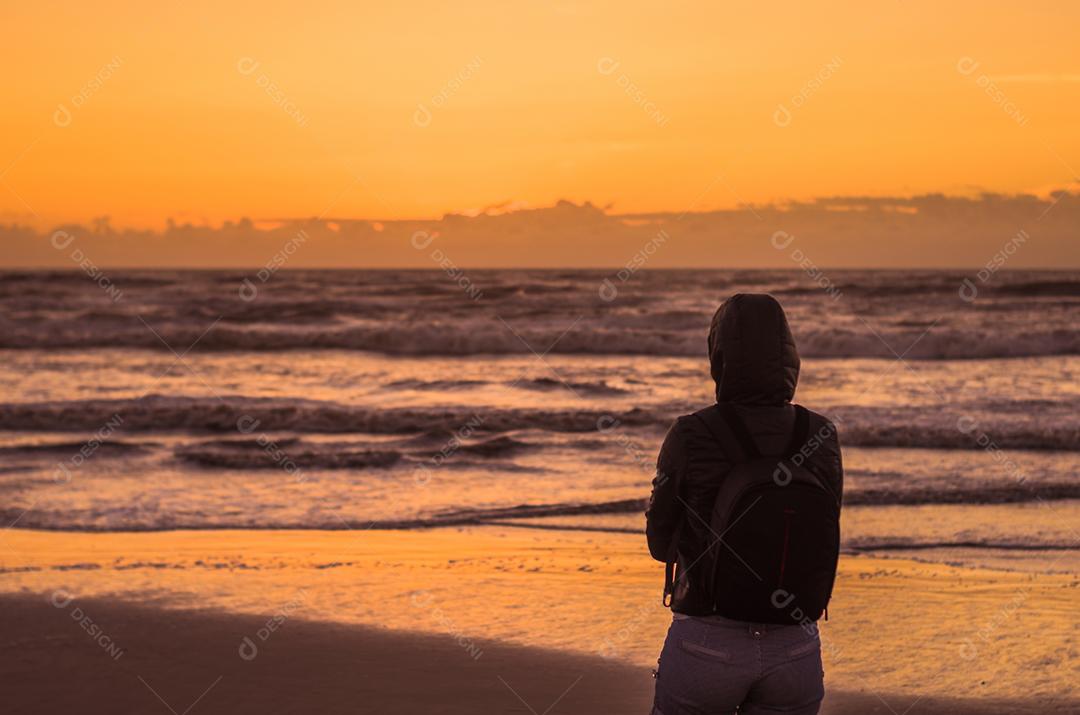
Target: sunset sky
[207, 111]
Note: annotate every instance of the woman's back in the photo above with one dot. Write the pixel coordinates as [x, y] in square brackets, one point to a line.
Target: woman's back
[712, 663]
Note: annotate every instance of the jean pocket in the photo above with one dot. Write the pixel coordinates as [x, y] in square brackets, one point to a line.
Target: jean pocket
[720, 656]
[806, 648]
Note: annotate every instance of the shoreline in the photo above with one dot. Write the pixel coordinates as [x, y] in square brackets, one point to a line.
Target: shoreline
[903, 627]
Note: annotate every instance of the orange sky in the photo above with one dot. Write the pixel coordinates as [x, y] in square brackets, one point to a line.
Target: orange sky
[166, 113]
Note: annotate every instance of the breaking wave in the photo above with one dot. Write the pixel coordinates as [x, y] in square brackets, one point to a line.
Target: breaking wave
[527, 515]
[255, 454]
[862, 426]
[485, 338]
[268, 453]
[157, 412]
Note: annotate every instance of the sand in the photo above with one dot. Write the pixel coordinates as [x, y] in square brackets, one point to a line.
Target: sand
[196, 662]
[343, 613]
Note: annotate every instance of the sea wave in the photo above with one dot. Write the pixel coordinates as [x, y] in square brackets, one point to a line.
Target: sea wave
[993, 494]
[488, 337]
[1041, 288]
[65, 449]
[256, 454]
[963, 314]
[943, 431]
[990, 429]
[273, 453]
[521, 515]
[246, 414]
[986, 428]
[597, 388]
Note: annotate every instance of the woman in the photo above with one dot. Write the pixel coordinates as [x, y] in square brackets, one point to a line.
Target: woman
[745, 512]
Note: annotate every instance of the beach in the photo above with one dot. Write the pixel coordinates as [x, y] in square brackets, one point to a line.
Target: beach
[347, 620]
[365, 357]
[434, 487]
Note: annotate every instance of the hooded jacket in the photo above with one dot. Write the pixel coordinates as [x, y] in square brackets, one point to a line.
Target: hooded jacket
[755, 365]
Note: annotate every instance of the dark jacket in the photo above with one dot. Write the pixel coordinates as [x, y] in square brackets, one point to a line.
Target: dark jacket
[755, 366]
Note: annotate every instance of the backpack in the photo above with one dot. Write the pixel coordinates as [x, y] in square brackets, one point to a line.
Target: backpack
[775, 530]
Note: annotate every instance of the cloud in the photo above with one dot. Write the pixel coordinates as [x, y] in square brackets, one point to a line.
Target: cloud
[932, 230]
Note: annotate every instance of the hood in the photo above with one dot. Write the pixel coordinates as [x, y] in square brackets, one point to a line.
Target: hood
[752, 352]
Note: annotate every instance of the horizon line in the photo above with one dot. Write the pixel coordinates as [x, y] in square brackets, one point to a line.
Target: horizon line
[435, 269]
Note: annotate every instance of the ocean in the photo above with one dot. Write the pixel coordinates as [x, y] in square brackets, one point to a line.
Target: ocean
[325, 399]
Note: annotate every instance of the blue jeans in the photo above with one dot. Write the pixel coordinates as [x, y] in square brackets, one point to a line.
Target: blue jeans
[714, 666]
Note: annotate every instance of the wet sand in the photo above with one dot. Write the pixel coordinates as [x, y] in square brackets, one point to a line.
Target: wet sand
[151, 660]
[448, 621]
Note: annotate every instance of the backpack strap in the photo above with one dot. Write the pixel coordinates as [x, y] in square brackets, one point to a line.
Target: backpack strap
[745, 441]
[800, 433]
[669, 564]
[733, 447]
